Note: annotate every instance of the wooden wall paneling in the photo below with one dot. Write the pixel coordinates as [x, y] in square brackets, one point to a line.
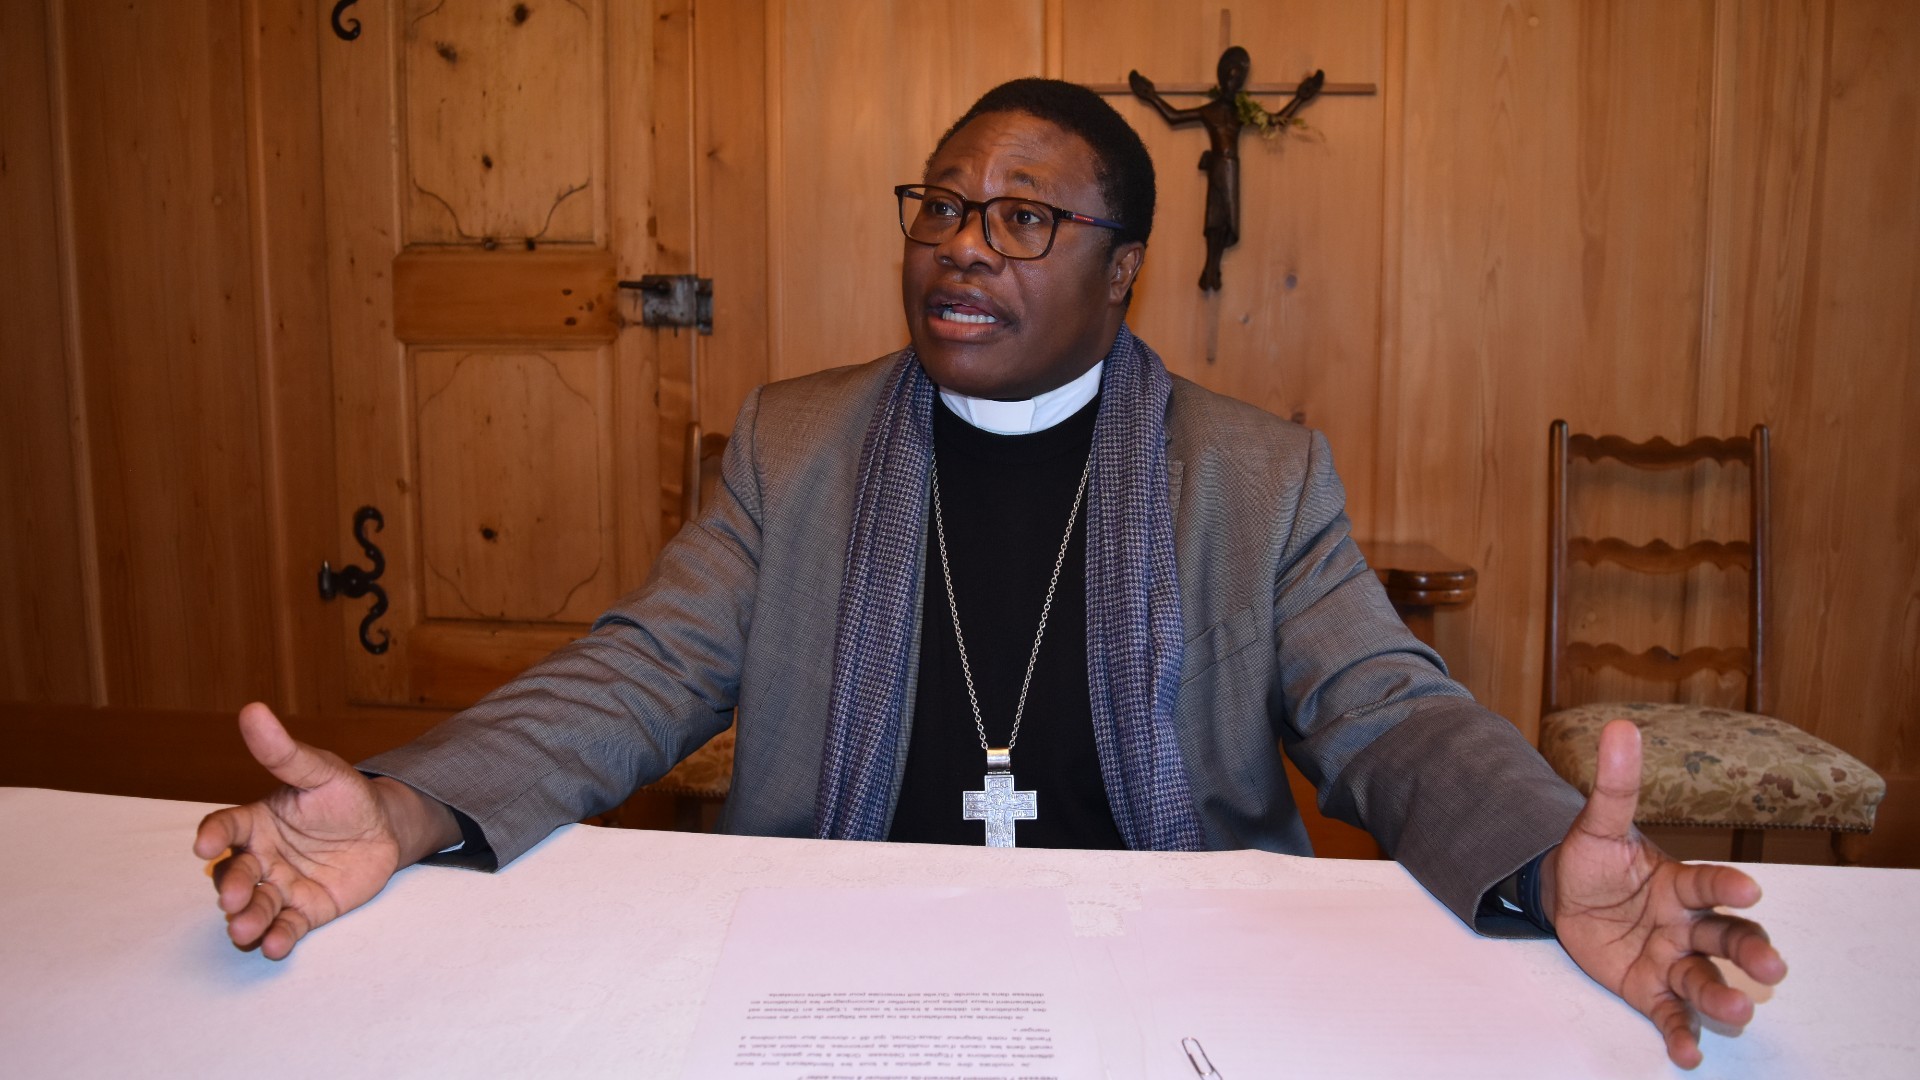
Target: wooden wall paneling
[155, 124]
[1769, 76]
[1554, 221]
[859, 114]
[46, 651]
[1473, 288]
[1388, 436]
[636, 34]
[1769, 97]
[289, 252]
[1847, 496]
[1296, 327]
[670, 244]
[195, 755]
[730, 205]
[373, 466]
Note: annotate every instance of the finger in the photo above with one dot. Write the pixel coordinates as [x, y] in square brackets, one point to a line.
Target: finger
[290, 761]
[1700, 984]
[286, 931]
[1616, 784]
[235, 878]
[1705, 885]
[250, 925]
[1742, 941]
[1680, 1029]
[222, 829]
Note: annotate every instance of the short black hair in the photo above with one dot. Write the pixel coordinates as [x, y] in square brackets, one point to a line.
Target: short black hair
[1121, 164]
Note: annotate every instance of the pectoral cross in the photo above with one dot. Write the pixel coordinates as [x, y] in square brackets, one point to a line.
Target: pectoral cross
[999, 805]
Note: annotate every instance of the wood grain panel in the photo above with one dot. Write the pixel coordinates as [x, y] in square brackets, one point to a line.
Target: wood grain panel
[1553, 219]
[885, 83]
[289, 244]
[162, 232]
[456, 664]
[443, 297]
[516, 503]
[503, 121]
[373, 458]
[730, 206]
[635, 159]
[44, 643]
[671, 243]
[1845, 445]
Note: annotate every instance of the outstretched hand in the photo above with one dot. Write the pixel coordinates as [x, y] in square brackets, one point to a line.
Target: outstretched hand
[321, 845]
[1643, 925]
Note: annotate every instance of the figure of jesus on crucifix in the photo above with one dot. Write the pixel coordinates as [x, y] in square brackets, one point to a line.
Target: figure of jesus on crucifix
[1221, 161]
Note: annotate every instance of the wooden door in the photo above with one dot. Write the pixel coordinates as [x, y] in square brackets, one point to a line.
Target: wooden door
[493, 169]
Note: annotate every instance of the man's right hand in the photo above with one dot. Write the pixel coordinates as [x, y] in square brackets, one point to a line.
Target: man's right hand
[323, 844]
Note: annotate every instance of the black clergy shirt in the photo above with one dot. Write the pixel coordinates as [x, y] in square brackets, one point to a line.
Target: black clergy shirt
[1006, 500]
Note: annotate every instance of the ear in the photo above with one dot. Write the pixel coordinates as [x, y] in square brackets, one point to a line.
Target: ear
[1122, 268]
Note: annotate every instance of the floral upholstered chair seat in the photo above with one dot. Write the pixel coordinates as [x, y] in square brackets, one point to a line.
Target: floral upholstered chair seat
[1721, 767]
[707, 773]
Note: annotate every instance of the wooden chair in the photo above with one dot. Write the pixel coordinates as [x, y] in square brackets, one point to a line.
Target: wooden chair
[1702, 766]
[706, 775]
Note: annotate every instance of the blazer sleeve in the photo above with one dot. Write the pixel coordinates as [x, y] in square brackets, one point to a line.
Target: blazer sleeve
[1449, 788]
[657, 677]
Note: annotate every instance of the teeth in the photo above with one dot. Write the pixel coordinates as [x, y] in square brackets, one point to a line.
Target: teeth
[950, 315]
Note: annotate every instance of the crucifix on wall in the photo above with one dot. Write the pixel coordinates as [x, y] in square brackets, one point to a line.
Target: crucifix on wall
[1232, 106]
[1230, 110]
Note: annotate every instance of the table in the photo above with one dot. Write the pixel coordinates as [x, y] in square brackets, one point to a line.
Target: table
[590, 955]
[1419, 578]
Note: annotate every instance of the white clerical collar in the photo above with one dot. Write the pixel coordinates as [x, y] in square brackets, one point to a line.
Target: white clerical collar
[1031, 415]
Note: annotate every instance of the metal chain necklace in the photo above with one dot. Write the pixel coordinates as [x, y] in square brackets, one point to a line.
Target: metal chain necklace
[999, 805]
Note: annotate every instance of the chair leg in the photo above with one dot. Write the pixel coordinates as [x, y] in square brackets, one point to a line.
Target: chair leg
[1749, 845]
[1849, 848]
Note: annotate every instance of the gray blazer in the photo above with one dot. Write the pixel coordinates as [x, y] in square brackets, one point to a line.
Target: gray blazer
[1290, 640]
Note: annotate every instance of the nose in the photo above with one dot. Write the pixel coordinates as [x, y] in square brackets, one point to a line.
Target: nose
[967, 246]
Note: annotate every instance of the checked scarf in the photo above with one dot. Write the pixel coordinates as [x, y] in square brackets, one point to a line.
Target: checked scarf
[1134, 633]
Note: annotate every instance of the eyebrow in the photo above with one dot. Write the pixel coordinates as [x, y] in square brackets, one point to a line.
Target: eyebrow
[1015, 176]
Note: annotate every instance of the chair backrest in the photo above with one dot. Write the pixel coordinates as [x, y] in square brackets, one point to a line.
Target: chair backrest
[702, 471]
[1657, 556]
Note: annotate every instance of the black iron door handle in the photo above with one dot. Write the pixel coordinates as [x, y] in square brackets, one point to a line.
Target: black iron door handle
[353, 582]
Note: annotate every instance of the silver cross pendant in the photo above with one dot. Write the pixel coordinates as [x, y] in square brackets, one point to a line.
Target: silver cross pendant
[999, 805]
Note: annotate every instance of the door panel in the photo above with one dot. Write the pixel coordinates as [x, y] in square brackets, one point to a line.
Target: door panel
[490, 176]
[505, 107]
[514, 491]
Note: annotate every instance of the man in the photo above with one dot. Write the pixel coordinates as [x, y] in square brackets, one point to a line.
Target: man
[1019, 544]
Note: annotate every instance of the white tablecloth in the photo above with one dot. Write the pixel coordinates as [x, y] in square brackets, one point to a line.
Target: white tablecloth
[591, 954]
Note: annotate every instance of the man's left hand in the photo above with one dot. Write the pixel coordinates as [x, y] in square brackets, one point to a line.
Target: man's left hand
[1643, 925]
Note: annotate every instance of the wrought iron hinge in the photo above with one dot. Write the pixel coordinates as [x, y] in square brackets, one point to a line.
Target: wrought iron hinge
[353, 582]
[345, 29]
[675, 300]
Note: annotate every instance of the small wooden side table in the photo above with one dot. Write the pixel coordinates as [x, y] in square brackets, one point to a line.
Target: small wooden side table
[1419, 578]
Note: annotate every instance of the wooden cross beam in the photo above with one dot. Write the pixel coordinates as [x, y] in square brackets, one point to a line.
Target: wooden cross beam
[1256, 89]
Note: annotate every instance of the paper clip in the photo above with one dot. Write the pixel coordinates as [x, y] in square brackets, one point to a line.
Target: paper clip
[1197, 1055]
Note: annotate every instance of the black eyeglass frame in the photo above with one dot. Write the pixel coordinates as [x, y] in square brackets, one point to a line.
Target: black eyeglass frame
[902, 192]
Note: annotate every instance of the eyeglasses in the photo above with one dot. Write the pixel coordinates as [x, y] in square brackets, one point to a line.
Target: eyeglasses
[1016, 228]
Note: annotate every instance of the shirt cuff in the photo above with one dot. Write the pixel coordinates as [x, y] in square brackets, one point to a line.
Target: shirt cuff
[1512, 908]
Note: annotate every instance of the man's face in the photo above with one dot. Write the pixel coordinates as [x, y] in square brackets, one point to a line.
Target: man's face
[1047, 320]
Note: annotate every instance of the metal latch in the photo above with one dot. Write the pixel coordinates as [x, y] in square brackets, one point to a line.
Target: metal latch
[675, 300]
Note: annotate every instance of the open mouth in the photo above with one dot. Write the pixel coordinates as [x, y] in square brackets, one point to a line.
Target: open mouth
[960, 313]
